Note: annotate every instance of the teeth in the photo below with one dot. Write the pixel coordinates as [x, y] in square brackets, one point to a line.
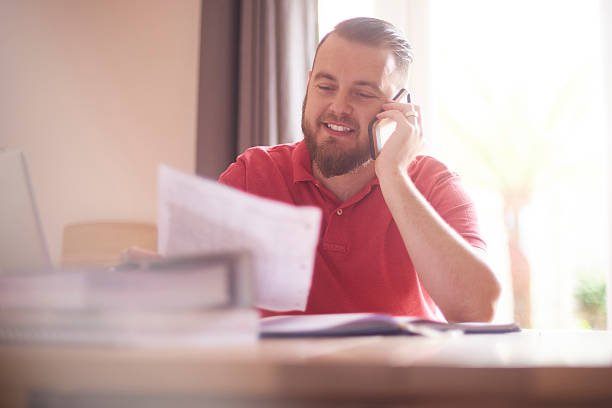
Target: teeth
[338, 128]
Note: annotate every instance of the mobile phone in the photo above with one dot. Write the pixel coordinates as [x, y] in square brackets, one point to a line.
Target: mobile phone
[379, 130]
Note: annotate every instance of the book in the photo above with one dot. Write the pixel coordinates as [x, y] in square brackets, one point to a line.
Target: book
[356, 324]
[195, 328]
[195, 300]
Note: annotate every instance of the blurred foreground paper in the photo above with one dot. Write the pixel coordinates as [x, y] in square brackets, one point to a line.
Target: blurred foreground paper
[201, 216]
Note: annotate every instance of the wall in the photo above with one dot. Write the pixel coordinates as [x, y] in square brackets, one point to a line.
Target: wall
[97, 93]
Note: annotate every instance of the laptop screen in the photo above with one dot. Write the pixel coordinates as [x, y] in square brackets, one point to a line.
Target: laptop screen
[22, 243]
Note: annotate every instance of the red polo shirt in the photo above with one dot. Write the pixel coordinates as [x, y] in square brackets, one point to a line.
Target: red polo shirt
[361, 262]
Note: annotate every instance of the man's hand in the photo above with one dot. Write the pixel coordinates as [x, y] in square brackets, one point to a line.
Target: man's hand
[405, 142]
[455, 274]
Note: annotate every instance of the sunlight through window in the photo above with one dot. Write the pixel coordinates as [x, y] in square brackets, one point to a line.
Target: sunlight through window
[516, 104]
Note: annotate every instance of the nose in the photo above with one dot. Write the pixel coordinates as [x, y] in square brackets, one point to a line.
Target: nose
[341, 104]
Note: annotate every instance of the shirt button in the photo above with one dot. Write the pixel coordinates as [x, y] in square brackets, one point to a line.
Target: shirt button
[339, 212]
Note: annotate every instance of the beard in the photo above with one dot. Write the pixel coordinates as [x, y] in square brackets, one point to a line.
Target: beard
[330, 156]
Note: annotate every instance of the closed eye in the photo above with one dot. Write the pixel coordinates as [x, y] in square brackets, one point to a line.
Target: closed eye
[325, 87]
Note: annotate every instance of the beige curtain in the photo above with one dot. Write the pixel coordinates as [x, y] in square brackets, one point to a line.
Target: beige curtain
[254, 62]
[218, 87]
[278, 39]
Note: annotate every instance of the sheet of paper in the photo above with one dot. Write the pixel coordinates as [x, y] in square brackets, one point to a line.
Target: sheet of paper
[198, 215]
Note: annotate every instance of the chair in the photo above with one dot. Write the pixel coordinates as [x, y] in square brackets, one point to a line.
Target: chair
[100, 243]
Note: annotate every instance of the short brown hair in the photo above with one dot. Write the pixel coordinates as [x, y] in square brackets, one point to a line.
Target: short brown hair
[377, 33]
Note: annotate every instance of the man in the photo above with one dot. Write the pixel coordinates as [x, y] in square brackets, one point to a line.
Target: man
[399, 234]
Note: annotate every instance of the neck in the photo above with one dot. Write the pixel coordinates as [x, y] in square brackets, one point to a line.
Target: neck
[346, 185]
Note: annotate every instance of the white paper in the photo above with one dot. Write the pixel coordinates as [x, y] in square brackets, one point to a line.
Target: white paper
[198, 215]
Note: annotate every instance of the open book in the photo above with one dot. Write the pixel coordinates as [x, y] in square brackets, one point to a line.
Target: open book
[355, 324]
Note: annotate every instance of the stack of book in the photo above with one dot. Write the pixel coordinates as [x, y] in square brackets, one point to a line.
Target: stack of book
[194, 300]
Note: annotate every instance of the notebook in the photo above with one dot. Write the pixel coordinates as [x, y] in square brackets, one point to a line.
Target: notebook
[22, 243]
[359, 324]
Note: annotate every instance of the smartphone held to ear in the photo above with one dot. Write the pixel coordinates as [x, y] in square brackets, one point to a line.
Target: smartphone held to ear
[379, 130]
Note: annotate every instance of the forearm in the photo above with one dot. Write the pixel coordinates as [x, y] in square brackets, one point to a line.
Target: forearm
[454, 273]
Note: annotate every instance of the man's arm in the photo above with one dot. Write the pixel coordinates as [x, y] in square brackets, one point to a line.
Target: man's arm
[454, 273]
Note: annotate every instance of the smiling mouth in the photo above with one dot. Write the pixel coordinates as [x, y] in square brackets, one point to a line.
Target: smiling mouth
[338, 128]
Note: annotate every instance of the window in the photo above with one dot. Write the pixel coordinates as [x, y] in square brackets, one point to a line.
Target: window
[514, 93]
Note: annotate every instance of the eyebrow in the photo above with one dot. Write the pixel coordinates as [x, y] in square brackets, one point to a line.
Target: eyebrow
[369, 84]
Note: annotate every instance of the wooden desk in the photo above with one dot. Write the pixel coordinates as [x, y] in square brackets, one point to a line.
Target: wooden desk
[519, 369]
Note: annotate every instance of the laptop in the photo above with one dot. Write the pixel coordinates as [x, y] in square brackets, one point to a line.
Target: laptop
[22, 243]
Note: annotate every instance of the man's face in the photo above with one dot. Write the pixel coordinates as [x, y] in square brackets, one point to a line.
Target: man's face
[348, 84]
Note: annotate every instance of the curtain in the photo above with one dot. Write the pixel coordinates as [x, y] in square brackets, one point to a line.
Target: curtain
[218, 87]
[277, 44]
[254, 62]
